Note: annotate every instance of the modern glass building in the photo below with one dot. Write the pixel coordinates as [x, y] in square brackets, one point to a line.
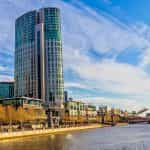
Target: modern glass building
[6, 89]
[38, 56]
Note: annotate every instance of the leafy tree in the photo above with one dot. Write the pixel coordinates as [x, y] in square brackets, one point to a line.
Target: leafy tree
[22, 116]
[30, 115]
[2, 115]
[11, 115]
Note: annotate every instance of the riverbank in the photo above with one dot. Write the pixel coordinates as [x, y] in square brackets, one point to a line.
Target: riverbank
[112, 138]
[121, 124]
[21, 134]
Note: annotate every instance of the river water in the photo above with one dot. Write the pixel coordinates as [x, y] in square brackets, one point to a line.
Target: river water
[132, 137]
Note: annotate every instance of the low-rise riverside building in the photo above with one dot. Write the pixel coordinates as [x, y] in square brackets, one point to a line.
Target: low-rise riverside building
[23, 102]
[75, 110]
[23, 110]
[91, 113]
[117, 115]
[102, 113]
[108, 114]
[6, 89]
[125, 114]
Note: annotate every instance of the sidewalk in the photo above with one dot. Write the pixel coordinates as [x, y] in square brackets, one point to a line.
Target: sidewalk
[20, 134]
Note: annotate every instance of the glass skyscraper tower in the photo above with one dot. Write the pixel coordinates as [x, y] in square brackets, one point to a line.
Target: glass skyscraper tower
[38, 56]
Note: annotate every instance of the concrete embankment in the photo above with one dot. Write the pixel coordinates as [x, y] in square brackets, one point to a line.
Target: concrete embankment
[20, 134]
[121, 124]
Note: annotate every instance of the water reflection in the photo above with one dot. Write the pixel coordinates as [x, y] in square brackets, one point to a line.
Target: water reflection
[69, 136]
[52, 136]
[135, 137]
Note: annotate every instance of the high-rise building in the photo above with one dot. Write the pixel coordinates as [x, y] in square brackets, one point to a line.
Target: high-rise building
[6, 90]
[38, 56]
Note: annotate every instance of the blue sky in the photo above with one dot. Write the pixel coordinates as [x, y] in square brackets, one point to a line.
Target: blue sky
[105, 43]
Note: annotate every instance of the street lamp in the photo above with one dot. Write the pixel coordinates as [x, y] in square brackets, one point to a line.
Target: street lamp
[102, 113]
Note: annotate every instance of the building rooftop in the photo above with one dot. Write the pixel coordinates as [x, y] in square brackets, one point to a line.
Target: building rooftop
[76, 101]
[26, 98]
[6, 82]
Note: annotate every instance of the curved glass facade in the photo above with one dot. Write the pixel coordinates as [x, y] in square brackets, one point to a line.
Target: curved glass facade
[25, 55]
[25, 29]
[52, 23]
[53, 46]
[38, 56]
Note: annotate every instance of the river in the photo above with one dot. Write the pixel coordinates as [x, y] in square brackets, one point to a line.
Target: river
[132, 137]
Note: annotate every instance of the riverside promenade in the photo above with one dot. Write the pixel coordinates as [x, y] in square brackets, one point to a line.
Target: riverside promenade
[21, 134]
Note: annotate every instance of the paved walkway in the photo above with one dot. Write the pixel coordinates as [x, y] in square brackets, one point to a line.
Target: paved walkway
[20, 134]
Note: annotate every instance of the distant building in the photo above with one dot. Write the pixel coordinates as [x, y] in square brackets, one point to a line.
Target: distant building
[70, 99]
[6, 89]
[91, 113]
[125, 114]
[117, 111]
[65, 96]
[75, 109]
[102, 110]
[38, 56]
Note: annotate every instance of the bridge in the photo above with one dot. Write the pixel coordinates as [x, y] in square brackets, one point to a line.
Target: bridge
[142, 116]
[136, 119]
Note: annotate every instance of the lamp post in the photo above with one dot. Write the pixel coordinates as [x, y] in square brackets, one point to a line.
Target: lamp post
[102, 113]
[112, 116]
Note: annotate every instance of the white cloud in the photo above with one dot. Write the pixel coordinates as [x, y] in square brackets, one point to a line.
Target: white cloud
[83, 28]
[125, 104]
[110, 76]
[75, 84]
[6, 78]
[99, 31]
[145, 58]
[2, 68]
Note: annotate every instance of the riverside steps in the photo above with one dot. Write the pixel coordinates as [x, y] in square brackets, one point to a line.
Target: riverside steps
[21, 134]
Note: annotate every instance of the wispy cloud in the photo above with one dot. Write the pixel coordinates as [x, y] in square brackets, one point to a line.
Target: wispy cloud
[2, 68]
[75, 84]
[108, 75]
[6, 78]
[125, 104]
[100, 32]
